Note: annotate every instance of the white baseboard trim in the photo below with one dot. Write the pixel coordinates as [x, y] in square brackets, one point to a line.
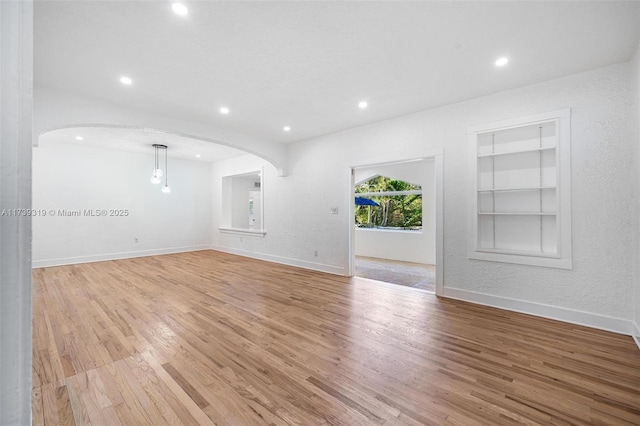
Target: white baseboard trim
[283, 260]
[587, 319]
[636, 333]
[114, 256]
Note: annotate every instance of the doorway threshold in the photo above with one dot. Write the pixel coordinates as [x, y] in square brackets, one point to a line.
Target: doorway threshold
[407, 274]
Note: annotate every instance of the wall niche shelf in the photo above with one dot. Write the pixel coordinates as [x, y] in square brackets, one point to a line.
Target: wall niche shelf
[520, 172]
[496, 154]
[519, 213]
[533, 188]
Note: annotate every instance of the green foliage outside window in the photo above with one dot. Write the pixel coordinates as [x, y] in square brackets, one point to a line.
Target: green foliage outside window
[394, 211]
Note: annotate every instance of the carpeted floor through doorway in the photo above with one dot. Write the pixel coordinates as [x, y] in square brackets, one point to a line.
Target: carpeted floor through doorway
[416, 275]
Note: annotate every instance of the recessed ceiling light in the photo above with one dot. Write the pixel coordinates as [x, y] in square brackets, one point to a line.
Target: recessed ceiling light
[286, 128]
[79, 138]
[224, 110]
[198, 156]
[180, 9]
[363, 104]
[126, 80]
[501, 62]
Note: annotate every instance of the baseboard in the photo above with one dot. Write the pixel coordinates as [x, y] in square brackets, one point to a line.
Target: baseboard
[587, 319]
[115, 256]
[283, 260]
[636, 333]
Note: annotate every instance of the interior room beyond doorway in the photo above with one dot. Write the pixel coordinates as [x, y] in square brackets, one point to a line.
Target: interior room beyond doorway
[395, 223]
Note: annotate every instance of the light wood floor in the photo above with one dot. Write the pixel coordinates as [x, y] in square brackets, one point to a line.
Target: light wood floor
[210, 338]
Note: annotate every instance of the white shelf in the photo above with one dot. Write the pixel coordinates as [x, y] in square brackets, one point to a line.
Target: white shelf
[519, 252]
[518, 213]
[242, 231]
[495, 154]
[532, 188]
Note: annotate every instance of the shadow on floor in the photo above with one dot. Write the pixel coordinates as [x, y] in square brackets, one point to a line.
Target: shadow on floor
[416, 275]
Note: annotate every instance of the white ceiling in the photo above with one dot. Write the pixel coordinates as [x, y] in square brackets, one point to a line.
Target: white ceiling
[307, 64]
[140, 140]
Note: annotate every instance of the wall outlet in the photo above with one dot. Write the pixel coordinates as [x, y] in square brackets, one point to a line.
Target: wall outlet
[333, 210]
[241, 239]
[136, 240]
[315, 253]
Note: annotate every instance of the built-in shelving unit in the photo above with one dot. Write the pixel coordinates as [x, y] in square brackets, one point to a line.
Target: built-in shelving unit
[521, 180]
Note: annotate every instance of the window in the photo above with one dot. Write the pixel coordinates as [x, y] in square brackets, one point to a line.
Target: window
[382, 202]
[242, 204]
[522, 191]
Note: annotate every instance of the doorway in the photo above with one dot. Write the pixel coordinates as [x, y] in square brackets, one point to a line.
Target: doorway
[397, 222]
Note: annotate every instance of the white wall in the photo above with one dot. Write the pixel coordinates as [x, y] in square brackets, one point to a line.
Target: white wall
[70, 176]
[409, 246]
[406, 246]
[599, 287]
[16, 83]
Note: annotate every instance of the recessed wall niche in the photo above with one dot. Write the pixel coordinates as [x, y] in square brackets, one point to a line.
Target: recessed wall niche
[521, 183]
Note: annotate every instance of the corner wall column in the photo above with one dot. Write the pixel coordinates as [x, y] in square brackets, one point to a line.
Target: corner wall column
[16, 96]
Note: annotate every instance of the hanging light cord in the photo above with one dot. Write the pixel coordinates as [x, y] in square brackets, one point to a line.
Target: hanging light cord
[166, 170]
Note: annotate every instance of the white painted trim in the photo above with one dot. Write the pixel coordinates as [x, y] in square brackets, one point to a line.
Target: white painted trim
[387, 193]
[439, 175]
[587, 319]
[428, 155]
[521, 259]
[518, 121]
[242, 231]
[391, 230]
[115, 256]
[284, 260]
[351, 256]
[636, 333]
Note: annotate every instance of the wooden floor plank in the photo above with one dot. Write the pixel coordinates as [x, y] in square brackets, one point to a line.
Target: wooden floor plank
[154, 394]
[63, 404]
[50, 404]
[37, 410]
[189, 405]
[186, 386]
[211, 338]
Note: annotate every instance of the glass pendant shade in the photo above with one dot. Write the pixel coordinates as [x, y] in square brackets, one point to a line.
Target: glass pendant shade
[166, 189]
[155, 179]
[157, 172]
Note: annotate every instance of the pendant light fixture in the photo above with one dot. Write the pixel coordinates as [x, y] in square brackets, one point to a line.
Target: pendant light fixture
[166, 188]
[157, 171]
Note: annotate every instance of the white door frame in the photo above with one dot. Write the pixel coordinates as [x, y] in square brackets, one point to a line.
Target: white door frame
[438, 156]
